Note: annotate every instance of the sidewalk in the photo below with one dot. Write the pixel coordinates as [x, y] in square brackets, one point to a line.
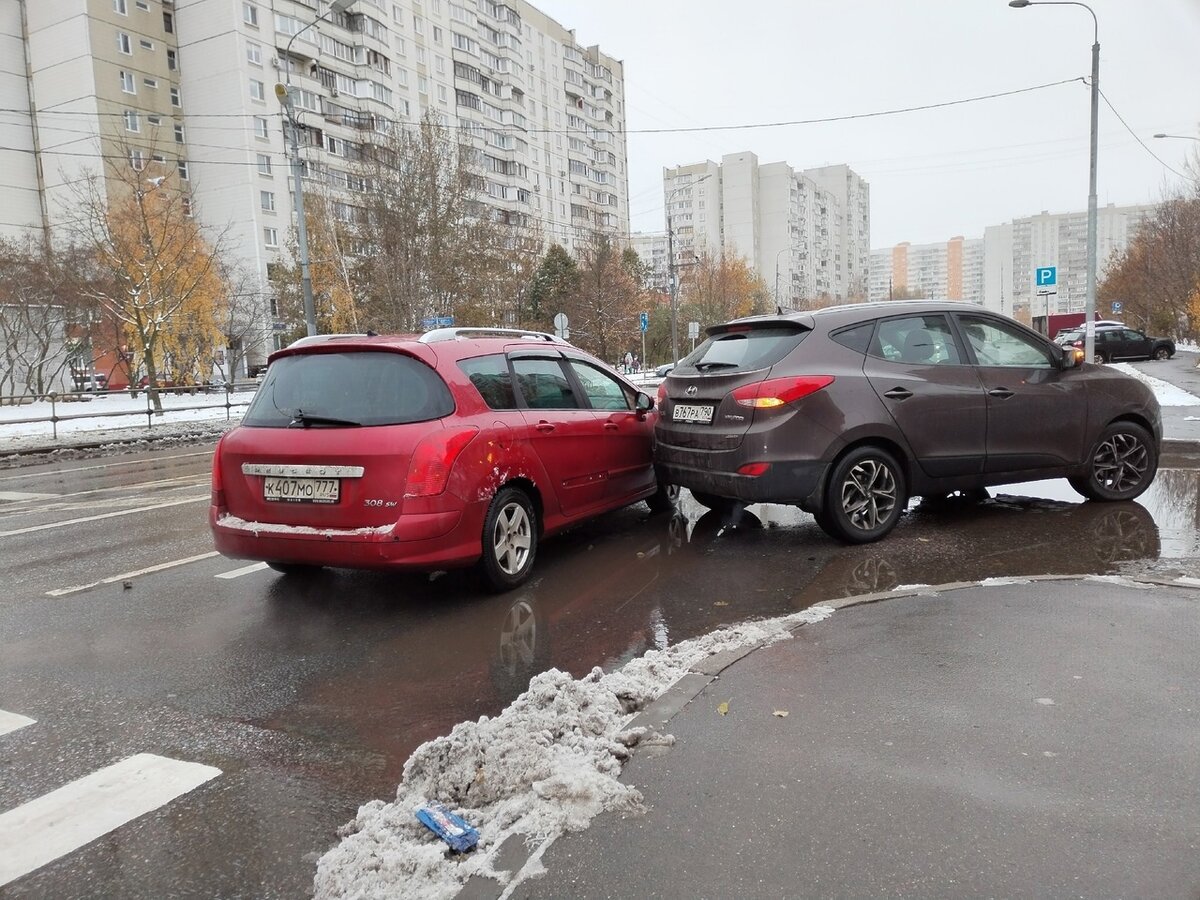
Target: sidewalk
[1021, 739]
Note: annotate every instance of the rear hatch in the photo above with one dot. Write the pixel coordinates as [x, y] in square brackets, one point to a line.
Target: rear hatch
[329, 438]
[698, 407]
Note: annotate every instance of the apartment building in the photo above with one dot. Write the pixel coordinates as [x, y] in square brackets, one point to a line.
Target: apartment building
[651, 248]
[806, 233]
[952, 270]
[545, 115]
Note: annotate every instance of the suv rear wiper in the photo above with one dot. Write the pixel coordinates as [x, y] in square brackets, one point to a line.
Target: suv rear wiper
[300, 417]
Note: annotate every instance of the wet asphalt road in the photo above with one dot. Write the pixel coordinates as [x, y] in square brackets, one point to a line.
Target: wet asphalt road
[310, 695]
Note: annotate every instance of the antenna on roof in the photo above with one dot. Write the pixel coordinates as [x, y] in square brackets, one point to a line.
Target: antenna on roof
[778, 310]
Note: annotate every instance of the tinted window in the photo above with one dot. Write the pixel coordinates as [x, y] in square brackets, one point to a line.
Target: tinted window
[365, 388]
[544, 384]
[754, 348]
[602, 390]
[997, 344]
[918, 340]
[489, 375]
[857, 338]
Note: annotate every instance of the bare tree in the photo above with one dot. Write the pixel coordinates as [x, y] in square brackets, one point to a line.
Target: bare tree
[604, 307]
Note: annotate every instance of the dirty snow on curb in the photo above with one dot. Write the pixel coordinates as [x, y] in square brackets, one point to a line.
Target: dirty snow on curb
[1167, 394]
[547, 764]
[998, 582]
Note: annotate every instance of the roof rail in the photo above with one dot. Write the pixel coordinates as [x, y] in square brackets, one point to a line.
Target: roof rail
[451, 334]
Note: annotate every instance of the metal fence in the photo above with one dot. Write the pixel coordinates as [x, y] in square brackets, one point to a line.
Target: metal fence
[74, 398]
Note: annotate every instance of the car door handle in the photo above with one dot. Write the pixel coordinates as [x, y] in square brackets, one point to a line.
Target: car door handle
[1000, 393]
[611, 426]
[544, 427]
[897, 393]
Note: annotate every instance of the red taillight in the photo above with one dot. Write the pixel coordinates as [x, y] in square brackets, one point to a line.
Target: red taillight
[776, 392]
[218, 486]
[1078, 344]
[662, 394]
[754, 469]
[429, 469]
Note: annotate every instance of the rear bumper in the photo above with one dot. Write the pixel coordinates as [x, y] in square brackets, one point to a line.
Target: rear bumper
[796, 482]
[421, 542]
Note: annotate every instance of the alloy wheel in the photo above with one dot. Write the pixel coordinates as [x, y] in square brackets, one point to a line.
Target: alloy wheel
[511, 539]
[869, 494]
[1120, 462]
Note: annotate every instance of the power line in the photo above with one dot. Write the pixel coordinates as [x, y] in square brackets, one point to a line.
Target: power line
[1138, 139]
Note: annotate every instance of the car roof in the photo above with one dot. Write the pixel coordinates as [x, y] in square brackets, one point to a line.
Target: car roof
[835, 316]
[457, 343]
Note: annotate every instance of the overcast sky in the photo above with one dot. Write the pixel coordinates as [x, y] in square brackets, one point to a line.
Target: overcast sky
[933, 174]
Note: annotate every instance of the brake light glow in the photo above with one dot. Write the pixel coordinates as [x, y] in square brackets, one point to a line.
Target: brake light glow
[218, 486]
[429, 468]
[754, 469]
[776, 392]
[662, 393]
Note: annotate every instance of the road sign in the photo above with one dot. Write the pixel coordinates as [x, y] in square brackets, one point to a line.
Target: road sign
[693, 330]
[1046, 276]
[431, 322]
[644, 320]
[1117, 307]
[560, 326]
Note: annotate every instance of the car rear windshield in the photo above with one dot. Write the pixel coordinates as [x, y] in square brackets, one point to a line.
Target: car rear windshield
[748, 348]
[348, 389]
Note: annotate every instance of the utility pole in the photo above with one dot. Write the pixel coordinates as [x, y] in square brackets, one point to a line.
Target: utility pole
[672, 287]
[310, 309]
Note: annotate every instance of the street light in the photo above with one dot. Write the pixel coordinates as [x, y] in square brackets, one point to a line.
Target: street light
[1090, 307]
[283, 92]
[671, 268]
[1178, 137]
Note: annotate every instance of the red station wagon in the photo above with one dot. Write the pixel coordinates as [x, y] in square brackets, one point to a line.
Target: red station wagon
[455, 448]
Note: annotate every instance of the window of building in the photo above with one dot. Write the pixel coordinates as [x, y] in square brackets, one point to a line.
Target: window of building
[146, 45]
[124, 44]
[257, 90]
[128, 83]
[437, 35]
[179, 134]
[183, 169]
[250, 14]
[185, 203]
[266, 199]
[175, 98]
[137, 159]
[168, 23]
[172, 60]
[143, 5]
[151, 83]
[154, 120]
[254, 53]
[261, 127]
[442, 93]
[264, 164]
[132, 120]
[119, 6]
[271, 236]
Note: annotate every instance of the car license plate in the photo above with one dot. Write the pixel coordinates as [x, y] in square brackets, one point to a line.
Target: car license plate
[688, 412]
[301, 490]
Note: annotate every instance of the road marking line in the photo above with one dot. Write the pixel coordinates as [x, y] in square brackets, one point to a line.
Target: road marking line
[12, 721]
[112, 465]
[244, 570]
[20, 495]
[53, 825]
[122, 512]
[62, 592]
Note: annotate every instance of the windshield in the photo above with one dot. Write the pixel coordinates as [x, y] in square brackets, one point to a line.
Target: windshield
[752, 348]
[348, 389]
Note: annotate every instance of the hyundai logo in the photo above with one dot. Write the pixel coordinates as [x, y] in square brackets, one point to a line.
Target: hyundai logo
[692, 390]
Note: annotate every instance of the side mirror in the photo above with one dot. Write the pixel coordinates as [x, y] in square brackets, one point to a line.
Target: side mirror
[1072, 357]
[643, 404]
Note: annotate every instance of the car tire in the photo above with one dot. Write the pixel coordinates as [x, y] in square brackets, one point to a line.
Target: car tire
[510, 538]
[664, 499]
[294, 568]
[864, 496]
[1099, 359]
[1162, 353]
[713, 502]
[1121, 465]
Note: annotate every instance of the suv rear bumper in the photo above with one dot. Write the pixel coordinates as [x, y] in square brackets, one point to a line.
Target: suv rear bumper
[796, 482]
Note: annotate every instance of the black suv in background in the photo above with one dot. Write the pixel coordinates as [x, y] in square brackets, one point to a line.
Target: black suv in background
[1117, 343]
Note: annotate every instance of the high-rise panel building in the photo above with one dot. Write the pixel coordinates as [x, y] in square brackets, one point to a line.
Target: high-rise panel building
[952, 270]
[806, 233]
[194, 82]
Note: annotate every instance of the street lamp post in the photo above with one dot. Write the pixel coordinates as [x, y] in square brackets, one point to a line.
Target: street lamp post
[282, 91]
[674, 288]
[1178, 137]
[1090, 307]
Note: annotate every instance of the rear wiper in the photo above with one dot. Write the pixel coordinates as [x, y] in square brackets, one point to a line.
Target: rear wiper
[705, 366]
[302, 418]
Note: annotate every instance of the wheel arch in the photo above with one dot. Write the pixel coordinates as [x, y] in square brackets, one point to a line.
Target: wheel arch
[529, 489]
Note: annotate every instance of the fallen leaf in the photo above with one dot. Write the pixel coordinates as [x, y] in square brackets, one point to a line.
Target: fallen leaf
[723, 707]
[923, 540]
[720, 603]
[782, 713]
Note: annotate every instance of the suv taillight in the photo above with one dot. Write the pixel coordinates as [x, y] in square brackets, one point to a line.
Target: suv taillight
[662, 393]
[218, 487]
[429, 469]
[776, 392]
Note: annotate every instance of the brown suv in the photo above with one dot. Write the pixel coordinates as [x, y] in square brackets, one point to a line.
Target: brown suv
[847, 412]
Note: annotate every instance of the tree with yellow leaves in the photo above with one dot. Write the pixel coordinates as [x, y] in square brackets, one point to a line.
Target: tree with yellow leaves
[716, 289]
[158, 278]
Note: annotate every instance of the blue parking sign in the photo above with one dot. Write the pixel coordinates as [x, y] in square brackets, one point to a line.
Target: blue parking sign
[645, 321]
[1046, 276]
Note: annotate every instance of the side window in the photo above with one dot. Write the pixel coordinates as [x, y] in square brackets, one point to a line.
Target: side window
[544, 384]
[602, 390]
[918, 340]
[489, 375]
[856, 338]
[1130, 335]
[995, 344]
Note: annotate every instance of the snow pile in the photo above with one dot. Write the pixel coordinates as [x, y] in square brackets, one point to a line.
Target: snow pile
[1167, 394]
[257, 528]
[547, 764]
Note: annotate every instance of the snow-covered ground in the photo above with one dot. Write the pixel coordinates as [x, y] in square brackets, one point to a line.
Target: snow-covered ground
[1167, 394]
[546, 765]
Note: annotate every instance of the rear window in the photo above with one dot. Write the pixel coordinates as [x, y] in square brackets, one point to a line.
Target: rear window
[365, 388]
[754, 348]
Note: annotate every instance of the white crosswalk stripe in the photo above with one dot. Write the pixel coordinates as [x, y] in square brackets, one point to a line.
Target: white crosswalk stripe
[13, 721]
